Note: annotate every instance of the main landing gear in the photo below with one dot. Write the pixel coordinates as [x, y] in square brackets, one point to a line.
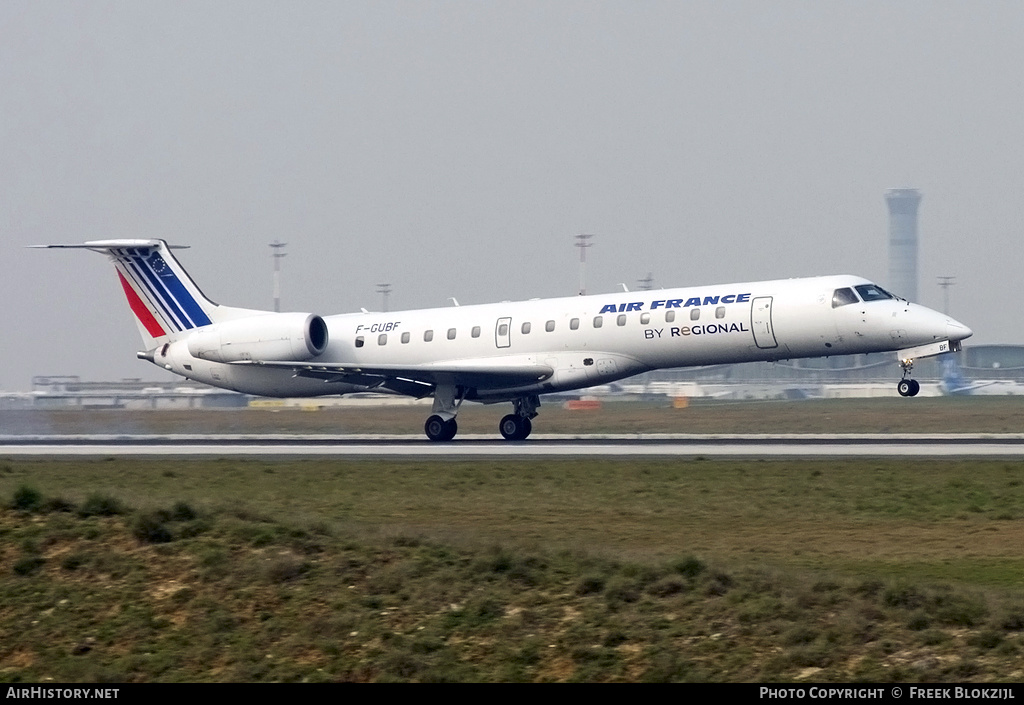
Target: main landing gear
[517, 425]
[441, 425]
[437, 429]
[907, 387]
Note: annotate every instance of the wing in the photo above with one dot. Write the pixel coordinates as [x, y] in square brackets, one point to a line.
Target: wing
[420, 380]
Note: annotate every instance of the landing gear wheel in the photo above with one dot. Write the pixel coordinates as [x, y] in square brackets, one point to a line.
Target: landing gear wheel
[908, 387]
[515, 428]
[527, 428]
[509, 427]
[437, 429]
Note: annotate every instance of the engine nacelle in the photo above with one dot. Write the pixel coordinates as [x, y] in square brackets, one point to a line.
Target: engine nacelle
[278, 336]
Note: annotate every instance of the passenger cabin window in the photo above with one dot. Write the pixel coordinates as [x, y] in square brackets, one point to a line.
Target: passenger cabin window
[359, 341]
[382, 339]
[503, 330]
[549, 326]
[526, 328]
[406, 337]
[870, 292]
[574, 324]
[475, 332]
[670, 316]
[621, 320]
[428, 335]
[645, 318]
[720, 312]
[842, 297]
[451, 334]
[694, 314]
[598, 321]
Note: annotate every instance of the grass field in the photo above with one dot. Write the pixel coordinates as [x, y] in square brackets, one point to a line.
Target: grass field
[170, 569]
[166, 569]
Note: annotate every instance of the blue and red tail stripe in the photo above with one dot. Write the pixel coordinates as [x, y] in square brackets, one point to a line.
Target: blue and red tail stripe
[140, 310]
[157, 281]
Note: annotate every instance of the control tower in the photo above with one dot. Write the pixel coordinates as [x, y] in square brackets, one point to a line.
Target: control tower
[903, 204]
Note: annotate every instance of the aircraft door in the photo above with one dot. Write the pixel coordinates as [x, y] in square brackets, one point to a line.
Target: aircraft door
[761, 322]
[502, 333]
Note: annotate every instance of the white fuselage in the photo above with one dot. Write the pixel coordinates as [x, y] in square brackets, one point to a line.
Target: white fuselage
[590, 340]
[510, 351]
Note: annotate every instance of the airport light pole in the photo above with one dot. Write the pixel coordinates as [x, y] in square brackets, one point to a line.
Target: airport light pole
[384, 290]
[583, 242]
[277, 254]
[945, 283]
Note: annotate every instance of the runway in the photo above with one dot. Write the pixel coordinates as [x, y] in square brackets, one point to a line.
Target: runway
[617, 445]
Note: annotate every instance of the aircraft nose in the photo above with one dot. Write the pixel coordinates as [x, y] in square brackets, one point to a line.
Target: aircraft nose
[955, 330]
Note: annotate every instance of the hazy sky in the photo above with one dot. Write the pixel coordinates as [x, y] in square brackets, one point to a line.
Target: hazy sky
[456, 148]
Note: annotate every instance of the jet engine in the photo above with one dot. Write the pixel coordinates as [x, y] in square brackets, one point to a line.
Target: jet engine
[288, 337]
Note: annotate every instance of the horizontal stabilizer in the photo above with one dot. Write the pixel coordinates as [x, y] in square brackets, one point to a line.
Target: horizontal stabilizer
[102, 245]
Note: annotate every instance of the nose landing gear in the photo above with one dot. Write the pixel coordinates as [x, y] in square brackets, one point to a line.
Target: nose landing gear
[907, 387]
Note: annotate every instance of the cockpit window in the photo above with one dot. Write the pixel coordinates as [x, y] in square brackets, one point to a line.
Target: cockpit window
[841, 297]
[871, 292]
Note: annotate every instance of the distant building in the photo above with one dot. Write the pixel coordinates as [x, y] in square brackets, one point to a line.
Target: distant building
[875, 374]
[70, 392]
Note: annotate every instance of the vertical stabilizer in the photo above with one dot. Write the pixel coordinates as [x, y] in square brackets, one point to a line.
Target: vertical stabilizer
[162, 296]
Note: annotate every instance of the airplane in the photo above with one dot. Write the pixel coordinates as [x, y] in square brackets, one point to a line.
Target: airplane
[955, 384]
[512, 351]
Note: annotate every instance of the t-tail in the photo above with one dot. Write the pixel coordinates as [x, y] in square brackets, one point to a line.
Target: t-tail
[166, 303]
